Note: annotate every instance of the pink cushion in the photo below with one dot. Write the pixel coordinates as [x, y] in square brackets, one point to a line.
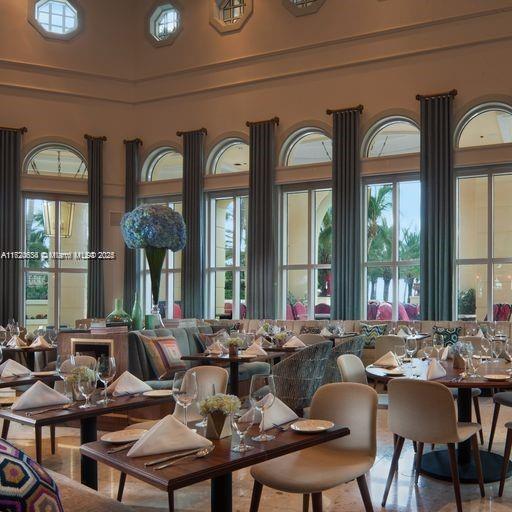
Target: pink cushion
[385, 311]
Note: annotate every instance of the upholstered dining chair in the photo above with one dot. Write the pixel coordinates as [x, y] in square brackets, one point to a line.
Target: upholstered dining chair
[314, 470]
[386, 343]
[301, 374]
[424, 412]
[210, 380]
[353, 346]
[310, 338]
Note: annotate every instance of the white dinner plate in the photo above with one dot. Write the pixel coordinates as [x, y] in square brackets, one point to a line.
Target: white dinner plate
[43, 374]
[123, 436]
[497, 377]
[158, 392]
[311, 426]
[394, 372]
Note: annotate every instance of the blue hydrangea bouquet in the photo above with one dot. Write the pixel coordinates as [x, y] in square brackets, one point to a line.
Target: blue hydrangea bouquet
[155, 228]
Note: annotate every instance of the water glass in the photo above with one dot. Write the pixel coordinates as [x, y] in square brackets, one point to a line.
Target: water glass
[428, 348]
[262, 394]
[438, 343]
[86, 382]
[184, 390]
[106, 369]
[399, 352]
[241, 422]
[411, 347]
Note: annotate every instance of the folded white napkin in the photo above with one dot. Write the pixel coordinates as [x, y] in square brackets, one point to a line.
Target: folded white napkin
[261, 332]
[218, 348]
[12, 368]
[39, 395]
[294, 342]
[168, 435]
[435, 370]
[277, 414]
[403, 332]
[388, 360]
[263, 342]
[15, 342]
[326, 333]
[127, 384]
[446, 354]
[40, 342]
[2, 328]
[255, 350]
[480, 333]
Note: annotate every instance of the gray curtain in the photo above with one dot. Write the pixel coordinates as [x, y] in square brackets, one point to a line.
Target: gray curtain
[437, 207]
[192, 286]
[95, 284]
[346, 215]
[10, 228]
[262, 229]
[132, 162]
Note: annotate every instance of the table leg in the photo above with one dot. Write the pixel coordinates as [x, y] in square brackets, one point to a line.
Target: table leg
[233, 378]
[39, 445]
[221, 494]
[89, 467]
[436, 464]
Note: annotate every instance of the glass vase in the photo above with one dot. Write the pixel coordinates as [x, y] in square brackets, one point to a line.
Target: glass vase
[119, 315]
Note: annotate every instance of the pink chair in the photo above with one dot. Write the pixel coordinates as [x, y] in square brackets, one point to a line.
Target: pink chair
[301, 313]
[371, 310]
[289, 312]
[322, 309]
[176, 311]
[243, 311]
[384, 311]
[412, 311]
[402, 312]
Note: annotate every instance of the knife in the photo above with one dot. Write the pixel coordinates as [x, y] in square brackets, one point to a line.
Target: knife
[170, 457]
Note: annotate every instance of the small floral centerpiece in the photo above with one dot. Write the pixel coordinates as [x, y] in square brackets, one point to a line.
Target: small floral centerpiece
[156, 228]
[233, 345]
[217, 409]
[461, 352]
[77, 375]
[281, 338]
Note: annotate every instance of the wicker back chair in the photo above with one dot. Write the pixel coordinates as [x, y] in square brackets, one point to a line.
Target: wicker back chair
[300, 375]
[353, 345]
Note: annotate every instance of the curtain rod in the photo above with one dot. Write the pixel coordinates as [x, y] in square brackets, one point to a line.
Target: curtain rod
[23, 129]
[274, 120]
[138, 141]
[201, 130]
[451, 93]
[91, 137]
[359, 108]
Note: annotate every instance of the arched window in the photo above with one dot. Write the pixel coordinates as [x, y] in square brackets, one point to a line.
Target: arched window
[484, 125]
[307, 146]
[54, 159]
[163, 164]
[392, 136]
[231, 155]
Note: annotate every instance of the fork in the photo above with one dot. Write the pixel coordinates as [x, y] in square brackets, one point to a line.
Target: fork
[122, 447]
[280, 427]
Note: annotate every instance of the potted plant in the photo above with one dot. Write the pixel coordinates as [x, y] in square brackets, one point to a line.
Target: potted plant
[217, 410]
[233, 345]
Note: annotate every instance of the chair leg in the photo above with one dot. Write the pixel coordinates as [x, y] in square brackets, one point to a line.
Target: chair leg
[365, 494]
[419, 454]
[415, 446]
[393, 468]
[5, 429]
[305, 503]
[506, 458]
[171, 501]
[316, 498]
[478, 464]
[476, 405]
[455, 475]
[256, 496]
[432, 446]
[494, 423]
[120, 489]
[52, 439]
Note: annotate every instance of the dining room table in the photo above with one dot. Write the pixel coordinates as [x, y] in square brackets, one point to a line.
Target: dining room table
[436, 462]
[27, 380]
[28, 353]
[234, 362]
[87, 417]
[218, 466]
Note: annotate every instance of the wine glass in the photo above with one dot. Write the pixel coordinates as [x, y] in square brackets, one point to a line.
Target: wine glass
[438, 343]
[204, 422]
[399, 351]
[87, 381]
[485, 344]
[184, 390]
[241, 422]
[411, 347]
[52, 335]
[497, 348]
[262, 394]
[106, 369]
[428, 348]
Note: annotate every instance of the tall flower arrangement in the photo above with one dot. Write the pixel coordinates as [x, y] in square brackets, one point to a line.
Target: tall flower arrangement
[155, 228]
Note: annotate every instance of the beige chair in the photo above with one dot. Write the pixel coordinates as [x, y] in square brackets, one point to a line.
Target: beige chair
[352, 370]
[387, 343]
[314, 470]
[424, 412]
[311, 339]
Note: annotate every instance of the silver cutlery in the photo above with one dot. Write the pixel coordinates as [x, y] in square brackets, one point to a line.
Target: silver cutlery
[122, 447]
[170, 457]
[198, 455]
[280, 427]
[50, 409]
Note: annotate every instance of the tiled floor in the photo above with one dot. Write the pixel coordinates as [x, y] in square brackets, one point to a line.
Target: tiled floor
[428, 496]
